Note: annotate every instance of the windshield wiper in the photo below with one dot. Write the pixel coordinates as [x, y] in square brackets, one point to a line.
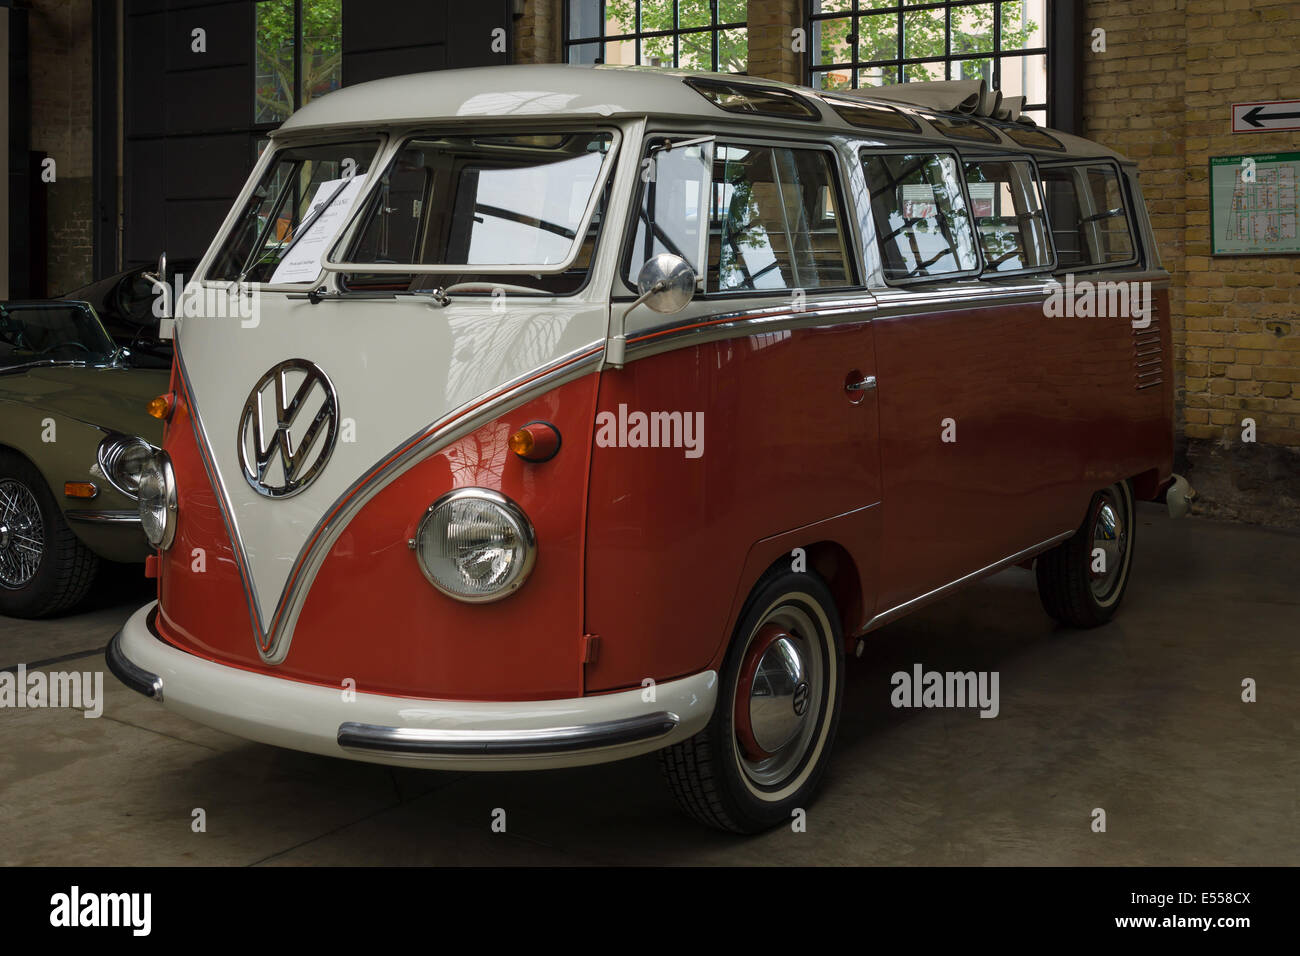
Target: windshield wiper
[437, 296]
[305, 226]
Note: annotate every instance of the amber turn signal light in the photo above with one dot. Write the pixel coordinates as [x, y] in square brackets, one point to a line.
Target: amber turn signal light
[161, 407]
[80, 489]
[536, 441]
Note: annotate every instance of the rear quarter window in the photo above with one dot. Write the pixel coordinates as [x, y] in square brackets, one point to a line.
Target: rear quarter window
[1092, 225]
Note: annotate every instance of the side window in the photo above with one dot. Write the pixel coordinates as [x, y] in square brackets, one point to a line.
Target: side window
[1009, 217]
[922, 223]
[771, 216]
[1109, 217]
[1090, 223]
[670, 217]
[775, 221]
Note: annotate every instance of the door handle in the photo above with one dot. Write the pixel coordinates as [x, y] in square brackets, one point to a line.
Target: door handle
[864, 385]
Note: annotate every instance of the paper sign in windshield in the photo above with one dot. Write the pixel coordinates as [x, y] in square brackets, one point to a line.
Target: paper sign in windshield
[302, 264]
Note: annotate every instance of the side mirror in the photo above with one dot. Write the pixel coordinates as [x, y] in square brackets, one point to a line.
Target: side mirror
[162, 311]
[666, 283]
[159, 277]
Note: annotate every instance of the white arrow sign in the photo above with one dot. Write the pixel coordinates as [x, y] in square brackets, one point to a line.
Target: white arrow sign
[1265, 117]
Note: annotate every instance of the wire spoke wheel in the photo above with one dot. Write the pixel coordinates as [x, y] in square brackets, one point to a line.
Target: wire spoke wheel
[22, 534]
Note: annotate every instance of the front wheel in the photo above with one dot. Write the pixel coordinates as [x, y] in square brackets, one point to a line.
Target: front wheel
[1082, 580]
[44, 567]
[764, 750]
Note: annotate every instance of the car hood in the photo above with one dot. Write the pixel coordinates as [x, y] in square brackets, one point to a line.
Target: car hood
[111, 398]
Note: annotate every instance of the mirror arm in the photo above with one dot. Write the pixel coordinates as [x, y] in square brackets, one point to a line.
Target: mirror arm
[616, 349]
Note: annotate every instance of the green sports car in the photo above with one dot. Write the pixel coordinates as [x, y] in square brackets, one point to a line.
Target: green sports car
[74, 431]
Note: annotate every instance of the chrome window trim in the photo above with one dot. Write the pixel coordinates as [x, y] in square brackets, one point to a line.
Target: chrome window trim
[383, 143]
[347, 234]
[626, 292]
[1075, 165]
[863, 152]
[1036, 175]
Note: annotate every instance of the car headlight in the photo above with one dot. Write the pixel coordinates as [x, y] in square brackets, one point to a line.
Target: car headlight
[475, 545]
[121, 458]
[158, 500]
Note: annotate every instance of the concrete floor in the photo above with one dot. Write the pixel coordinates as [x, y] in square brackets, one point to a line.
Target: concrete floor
[1143, 718]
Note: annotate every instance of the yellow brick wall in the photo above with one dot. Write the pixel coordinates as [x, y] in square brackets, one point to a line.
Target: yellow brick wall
[538, 32]
[1162, 94]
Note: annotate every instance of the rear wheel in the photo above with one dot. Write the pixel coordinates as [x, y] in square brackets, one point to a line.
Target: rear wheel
[764, 750]
[1082, 580]
[44, 567]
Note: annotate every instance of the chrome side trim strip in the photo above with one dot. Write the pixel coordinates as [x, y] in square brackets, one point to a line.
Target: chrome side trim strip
[104, 517]
[730, 325]
[894, 613]
[505, 743]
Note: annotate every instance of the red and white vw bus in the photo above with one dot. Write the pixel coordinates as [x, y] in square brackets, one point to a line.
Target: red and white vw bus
[544, 416]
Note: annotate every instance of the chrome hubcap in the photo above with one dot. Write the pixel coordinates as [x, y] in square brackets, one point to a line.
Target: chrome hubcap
[1110, 537]
[778, 696]
[22, 535]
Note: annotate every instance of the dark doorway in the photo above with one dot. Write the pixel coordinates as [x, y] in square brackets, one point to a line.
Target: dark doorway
[199, 105]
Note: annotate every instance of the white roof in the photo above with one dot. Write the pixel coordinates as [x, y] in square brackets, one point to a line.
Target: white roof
[556, 90]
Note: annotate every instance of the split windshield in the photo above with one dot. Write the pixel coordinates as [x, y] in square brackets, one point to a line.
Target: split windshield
[485, 200]
[294, 213]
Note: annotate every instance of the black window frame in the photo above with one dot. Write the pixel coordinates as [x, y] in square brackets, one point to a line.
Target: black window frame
[260, 128]
[637, 35]
[902, 7]
[927, 147]
[1126, 195]
[1036, 173]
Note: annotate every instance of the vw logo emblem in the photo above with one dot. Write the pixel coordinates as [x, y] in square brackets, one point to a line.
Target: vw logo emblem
[800, 698]
[288, 428]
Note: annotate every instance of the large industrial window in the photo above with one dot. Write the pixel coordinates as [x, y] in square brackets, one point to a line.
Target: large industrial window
[863, 43]
[687, 34]
[299, 55]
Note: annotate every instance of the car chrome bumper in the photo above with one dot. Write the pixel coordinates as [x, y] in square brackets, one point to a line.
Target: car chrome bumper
[451, 735]
[1178, 496]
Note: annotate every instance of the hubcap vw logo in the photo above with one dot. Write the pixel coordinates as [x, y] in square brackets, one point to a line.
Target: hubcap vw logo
[288, 429]
[800, 698]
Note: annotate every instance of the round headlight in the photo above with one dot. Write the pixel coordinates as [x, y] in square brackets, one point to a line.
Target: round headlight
[158, 500]
[475, 545]
[121, 458]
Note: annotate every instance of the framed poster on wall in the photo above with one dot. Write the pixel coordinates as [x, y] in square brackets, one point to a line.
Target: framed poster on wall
[1254, 205]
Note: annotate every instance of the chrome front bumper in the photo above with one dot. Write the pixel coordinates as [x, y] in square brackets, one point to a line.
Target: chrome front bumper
[451, 735]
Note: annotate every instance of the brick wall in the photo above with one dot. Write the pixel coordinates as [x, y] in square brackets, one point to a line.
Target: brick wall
[538, 32]
[60, 34]
[1162, 94]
